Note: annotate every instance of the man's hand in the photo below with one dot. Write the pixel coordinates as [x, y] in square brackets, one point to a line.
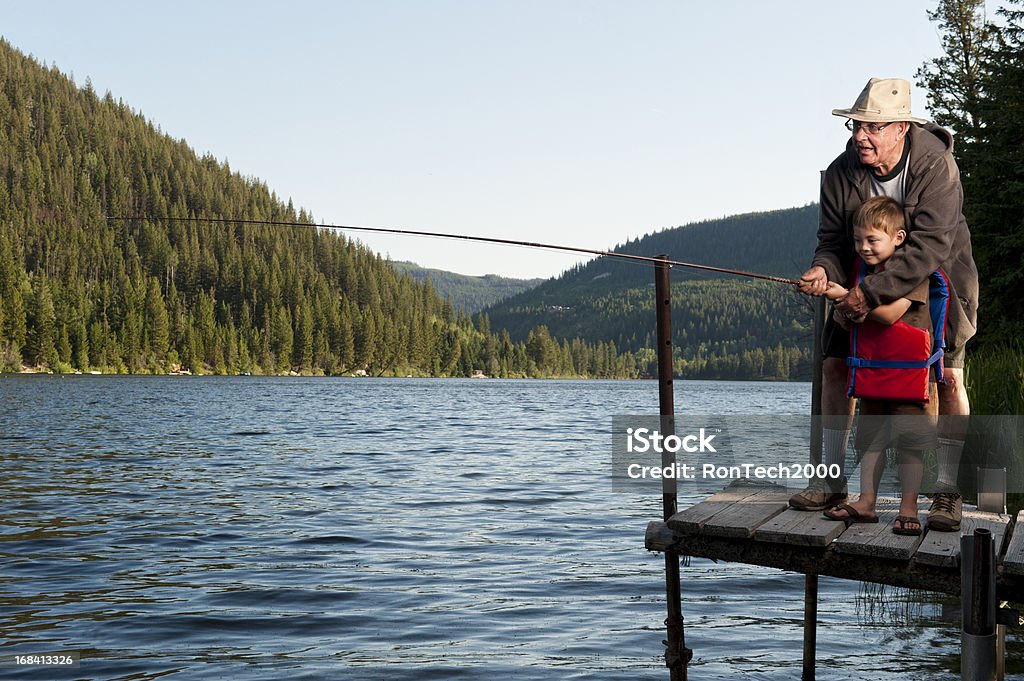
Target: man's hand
[854, 306]
[814, 281]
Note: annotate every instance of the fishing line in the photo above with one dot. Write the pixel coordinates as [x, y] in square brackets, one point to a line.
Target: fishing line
[484, 239]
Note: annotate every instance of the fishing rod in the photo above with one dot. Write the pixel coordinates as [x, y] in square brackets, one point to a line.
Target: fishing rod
[484, 239]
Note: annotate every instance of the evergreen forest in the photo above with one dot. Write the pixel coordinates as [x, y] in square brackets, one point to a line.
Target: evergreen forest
[169, 285]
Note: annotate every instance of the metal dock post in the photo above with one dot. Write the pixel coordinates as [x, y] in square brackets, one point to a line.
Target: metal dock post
[811, 578]
[978, 606]
[677, 655]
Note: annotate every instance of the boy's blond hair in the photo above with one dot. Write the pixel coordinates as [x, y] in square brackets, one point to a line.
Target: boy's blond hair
[880, 212]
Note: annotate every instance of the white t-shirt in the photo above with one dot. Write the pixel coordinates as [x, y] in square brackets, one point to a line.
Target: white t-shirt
[893, 185]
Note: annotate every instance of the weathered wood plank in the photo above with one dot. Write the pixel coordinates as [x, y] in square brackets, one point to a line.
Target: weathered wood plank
[659, 536]
[803, 528]
[741, 518]
[693, 519]
[943, 548]
[877, 539]
[1013, 562]
[996, 523]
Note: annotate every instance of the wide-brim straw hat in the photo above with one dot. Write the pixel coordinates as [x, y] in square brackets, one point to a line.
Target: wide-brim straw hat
[883, 100]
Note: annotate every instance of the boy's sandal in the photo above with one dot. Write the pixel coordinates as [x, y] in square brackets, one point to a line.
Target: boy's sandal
[852, 515]
[901, 525]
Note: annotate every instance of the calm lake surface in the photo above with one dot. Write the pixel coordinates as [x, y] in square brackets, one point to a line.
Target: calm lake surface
[315, 528]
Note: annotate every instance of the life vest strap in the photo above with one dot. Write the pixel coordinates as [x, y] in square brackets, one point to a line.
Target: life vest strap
[860, 362]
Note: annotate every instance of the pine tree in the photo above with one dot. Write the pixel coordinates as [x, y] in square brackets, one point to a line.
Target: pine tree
[953, 80]
[282, 341]
[157, 323]
[41, 348]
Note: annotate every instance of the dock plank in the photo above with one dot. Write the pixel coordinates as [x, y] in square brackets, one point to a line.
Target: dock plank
[803, 528]
[877, 540]
[693, 519]
[1013, 562]
[943, 548]
[741, 518]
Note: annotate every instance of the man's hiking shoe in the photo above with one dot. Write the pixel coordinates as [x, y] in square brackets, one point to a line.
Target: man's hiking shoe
[946, 511]
[819, 495]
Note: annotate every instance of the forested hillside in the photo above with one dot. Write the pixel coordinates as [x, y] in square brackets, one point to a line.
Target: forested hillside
[81, 292]
[467, 292]
[724, 326]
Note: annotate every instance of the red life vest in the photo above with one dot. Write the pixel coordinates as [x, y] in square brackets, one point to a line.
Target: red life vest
[892, 362]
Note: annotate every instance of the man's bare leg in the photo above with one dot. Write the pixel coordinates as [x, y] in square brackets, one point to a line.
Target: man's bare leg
[837, 416]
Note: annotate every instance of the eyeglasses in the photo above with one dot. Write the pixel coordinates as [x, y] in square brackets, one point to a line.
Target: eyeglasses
[870, 128]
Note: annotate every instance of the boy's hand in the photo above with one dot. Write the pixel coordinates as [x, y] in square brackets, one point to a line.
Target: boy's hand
[814, 281]
[854, 305]
[834, 291]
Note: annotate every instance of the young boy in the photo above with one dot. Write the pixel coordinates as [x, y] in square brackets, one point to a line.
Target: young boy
[878, 231]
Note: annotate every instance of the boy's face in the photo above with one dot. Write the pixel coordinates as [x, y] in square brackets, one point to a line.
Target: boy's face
[874, 245]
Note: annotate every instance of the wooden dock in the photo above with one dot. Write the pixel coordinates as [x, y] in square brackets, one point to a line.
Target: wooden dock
[753, 524]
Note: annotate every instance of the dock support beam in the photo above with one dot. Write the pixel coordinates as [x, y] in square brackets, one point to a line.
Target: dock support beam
[810, 624]
[811, 579]
[677, 655]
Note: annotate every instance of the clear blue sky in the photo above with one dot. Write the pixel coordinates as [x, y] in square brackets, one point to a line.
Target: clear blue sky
[578, 122]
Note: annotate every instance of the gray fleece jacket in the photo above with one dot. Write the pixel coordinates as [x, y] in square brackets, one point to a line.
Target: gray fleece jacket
[937, 233]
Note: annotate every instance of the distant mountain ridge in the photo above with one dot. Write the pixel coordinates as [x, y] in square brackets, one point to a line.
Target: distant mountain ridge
[725, 326]
[466, 292]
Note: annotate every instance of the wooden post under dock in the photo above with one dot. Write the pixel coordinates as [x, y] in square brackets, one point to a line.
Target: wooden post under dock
[753, 524]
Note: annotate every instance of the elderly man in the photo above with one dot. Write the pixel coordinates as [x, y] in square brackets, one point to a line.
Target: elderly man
[892, 153]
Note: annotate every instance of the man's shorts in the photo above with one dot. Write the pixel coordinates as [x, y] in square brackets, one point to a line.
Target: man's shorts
[835, 342]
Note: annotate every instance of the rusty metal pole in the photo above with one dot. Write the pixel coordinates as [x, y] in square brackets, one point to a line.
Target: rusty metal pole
[677, 656]
[811, 579]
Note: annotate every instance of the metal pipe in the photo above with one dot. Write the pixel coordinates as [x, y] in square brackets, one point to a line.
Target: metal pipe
[677, 656]
[666, 390]
[811, 578]
[810, 625]
[978, 606]
[817, 357]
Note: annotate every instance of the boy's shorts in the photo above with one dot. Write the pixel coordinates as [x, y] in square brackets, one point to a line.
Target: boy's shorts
[908, 426]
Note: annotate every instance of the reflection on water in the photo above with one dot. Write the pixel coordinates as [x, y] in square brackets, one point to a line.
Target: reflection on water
[250, 528]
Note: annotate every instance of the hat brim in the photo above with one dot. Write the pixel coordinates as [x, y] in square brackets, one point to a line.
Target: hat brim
[869, 117]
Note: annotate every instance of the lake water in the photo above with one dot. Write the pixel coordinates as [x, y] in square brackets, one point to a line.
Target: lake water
[313, 528]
